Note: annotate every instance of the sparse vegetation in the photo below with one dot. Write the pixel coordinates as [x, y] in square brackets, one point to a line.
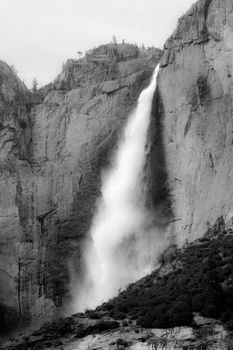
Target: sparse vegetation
[80, 54]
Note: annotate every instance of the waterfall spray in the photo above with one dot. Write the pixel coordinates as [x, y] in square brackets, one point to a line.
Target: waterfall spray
[124, 247]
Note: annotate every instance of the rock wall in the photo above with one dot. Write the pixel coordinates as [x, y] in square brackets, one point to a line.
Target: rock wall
[54, 143]
[194, 102]
[15, 140]
[66, 133]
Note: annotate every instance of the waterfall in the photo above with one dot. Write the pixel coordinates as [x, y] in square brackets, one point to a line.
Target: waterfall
[124, 244]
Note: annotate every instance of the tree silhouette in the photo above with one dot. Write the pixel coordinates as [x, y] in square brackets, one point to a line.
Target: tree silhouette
[114, 39]
[34, 85]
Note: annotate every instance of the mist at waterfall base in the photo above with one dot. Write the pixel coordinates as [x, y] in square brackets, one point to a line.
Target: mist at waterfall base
[125, 244]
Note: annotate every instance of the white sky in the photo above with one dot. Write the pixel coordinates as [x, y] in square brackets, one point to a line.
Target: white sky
[37, 36]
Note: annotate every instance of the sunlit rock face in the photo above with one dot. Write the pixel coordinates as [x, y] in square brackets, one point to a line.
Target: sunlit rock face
[56, 144]
[195, 109]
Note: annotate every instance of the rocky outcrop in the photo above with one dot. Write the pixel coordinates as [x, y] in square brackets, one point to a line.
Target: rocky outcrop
[194, 102]
[131, 337]
[81, 332]
[52, 149]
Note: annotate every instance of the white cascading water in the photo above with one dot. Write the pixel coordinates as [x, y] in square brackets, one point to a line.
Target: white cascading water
[124, 244]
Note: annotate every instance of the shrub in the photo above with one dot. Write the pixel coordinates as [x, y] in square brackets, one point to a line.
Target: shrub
[93, 314]
[117, 315]
[102, 326]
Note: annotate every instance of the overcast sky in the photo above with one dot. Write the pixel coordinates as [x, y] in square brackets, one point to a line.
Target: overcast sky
[37, 36]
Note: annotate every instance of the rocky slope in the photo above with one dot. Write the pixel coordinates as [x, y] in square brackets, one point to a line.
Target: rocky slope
[194, 105]
[179, 293]
[53, 145]
[195, 279]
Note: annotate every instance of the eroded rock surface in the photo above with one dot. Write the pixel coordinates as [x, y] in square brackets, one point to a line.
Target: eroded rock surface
[194, 102]
[70, 335]
[15, 140]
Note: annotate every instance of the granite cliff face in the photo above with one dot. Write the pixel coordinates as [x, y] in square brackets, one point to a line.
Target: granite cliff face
[194, 105]
[15, 140]
[54, 143]
[52, 148]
